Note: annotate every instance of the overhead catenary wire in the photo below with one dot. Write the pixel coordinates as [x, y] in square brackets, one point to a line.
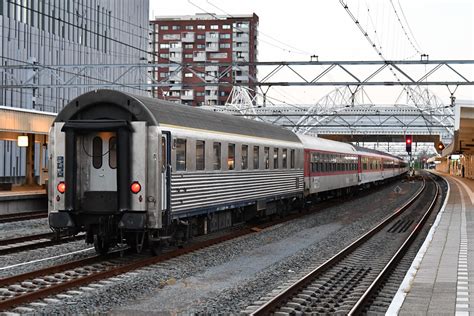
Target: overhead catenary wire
[403, 28]
[297, 50]
[230, 15]
[379, 52]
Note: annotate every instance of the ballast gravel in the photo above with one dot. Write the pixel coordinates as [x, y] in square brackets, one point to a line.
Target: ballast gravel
[228, 277]
[24, 228]
[26, 261]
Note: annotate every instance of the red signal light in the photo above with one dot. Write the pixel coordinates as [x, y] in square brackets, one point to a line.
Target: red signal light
[408, 141]
[61, 187]
[135, 187]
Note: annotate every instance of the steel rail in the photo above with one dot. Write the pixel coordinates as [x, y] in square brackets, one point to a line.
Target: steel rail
[362, 302]
[95, 276]
[289, 292]
[41, 244]
[7, 218]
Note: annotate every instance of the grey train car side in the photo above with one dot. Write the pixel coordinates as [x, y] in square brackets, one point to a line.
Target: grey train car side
[136, 169]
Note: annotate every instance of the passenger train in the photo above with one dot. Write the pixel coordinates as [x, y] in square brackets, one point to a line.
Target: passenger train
[143, 171]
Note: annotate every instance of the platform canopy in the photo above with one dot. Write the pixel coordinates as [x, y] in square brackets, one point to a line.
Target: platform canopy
[463, 142]
[15, 121]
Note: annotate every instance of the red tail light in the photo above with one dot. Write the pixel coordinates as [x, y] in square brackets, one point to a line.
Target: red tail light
[135, 187]
[61, 187]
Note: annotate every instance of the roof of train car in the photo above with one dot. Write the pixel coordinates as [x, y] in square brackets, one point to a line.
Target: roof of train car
[108, 104]
[373, 151]
[323, 144]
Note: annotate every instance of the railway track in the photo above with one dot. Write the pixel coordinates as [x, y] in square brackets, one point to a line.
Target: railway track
[28, 287]
[347, 282]
[12, 245]
[7, 218]
[22, 289]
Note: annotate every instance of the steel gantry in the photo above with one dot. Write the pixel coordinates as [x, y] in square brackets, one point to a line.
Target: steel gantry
[348, 110]
[305, 73]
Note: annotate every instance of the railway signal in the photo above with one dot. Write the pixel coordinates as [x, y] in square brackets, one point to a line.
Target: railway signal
[408, 142]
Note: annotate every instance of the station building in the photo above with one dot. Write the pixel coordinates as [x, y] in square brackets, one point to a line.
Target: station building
[56, 32]
[204, 38]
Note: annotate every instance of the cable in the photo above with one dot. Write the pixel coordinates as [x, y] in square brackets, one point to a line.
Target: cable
[379, 52]
[260, 32]
[403, 28]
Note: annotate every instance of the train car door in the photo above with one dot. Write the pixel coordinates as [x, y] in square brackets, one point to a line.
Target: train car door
[103, 162]
[359, 169]
[166, 176]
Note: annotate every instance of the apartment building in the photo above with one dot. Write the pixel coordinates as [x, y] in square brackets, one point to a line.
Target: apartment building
[207, 39]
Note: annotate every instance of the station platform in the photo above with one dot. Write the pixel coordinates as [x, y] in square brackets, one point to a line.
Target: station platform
[23, 199]
[441, 278]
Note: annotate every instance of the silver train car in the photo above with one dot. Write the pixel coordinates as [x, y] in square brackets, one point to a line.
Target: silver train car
[146, 172]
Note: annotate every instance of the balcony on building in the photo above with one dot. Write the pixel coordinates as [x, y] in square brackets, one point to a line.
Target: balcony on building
[241, 27]
[211, 90]
[199, 56]
[175, 85]
[211, 98]
[171, 37]
[211, 76]
[187, 37]
[176, 48]
[176, 58]
[240, 37]
[211, 68]
[212, 47]
[212, 37]
[240, 56]
[187, 95]
[240, 48]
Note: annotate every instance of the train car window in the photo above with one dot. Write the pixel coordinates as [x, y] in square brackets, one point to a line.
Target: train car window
[231, 157]
[284, 164]
[267, 157]
[180, 154]
[113, 152]
[97, 152]
[245, 157]
[256, 157]
[275, 158]
[216, 153]
[292, 159]
[319, 168]
[200, 156]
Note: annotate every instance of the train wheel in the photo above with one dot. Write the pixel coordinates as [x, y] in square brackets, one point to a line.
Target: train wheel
[156, 248]
[101, 245]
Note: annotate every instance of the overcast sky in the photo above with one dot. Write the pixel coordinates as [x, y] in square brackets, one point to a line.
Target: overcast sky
[295, 30]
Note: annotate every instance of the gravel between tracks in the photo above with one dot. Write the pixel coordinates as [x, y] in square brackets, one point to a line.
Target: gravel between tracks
[228, 277]
[24, 228]
[31, 227]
